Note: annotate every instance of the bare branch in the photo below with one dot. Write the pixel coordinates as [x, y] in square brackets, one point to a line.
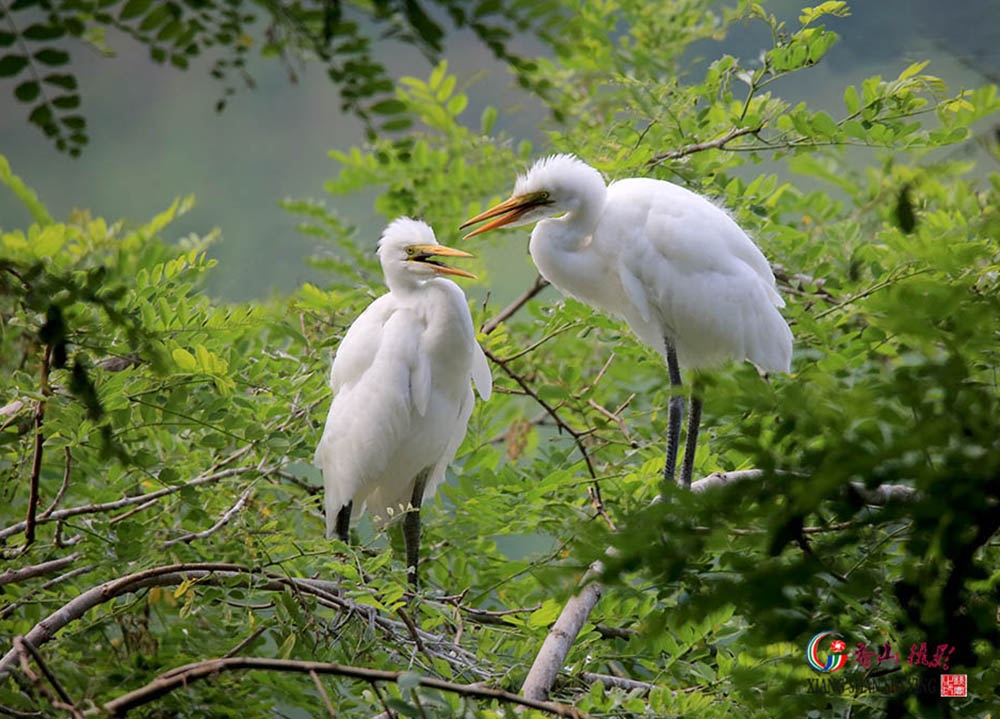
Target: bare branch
[322, 694]
[184, 676]
[716, 144]
[236, 650]
[223, 520]
[540, 284]
[128, 501]
[612, 681]
[62, 487]
[37, 570]
[24, 647]
[25, 598]
[217, 573]
[555, 648]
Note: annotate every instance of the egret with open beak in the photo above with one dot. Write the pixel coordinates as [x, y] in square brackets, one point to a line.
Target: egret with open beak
[687, 279]
[402, 389]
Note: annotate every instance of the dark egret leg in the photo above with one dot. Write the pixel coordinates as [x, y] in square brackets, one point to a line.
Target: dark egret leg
[344, 522]
[411, 529]
[691, 444]
[673, 413]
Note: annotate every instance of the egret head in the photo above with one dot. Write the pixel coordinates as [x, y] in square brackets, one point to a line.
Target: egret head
[409, 246]
[555, 185]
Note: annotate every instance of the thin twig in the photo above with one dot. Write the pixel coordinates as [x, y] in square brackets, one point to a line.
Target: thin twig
[717, 144]
[184, 676]
[381, 697]
[577, 436]
[23, 645]
[236, 650]
[535, 345]
[223, 520]
[540, 284]
[620, 682]
[322, 693]
[62, 487]
[25, 598]
[129, 501]
[37, 570]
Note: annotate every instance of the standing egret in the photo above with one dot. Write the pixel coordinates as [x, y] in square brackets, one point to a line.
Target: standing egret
[401, 389]
[678, 269]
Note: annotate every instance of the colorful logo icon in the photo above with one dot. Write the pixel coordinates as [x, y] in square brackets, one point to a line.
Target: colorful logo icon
[837, 657]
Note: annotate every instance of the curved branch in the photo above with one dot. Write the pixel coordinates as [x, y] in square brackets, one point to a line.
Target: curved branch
[215, 573]
[182, 676]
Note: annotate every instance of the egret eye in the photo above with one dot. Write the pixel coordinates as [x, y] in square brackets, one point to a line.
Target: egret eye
[545, 195]
[411, 251]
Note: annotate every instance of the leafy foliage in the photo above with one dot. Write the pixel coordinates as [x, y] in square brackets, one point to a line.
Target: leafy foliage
[890, 268]
[39, 36]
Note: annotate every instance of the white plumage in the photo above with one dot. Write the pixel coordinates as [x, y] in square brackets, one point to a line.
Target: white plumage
[401, 383]
[675, 266]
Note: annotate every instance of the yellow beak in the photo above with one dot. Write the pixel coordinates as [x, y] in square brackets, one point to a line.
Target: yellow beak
[424, 253]
[506, 212]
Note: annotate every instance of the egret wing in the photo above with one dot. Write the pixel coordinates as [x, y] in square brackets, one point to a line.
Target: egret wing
[373, 405]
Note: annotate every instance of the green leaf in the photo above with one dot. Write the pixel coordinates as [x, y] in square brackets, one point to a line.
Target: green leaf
[11, 65]
[44, 32]
[134, 8]
[51, 56]
[63, 80]
[487, 120]
[389, 107]
[457, 104]
[851, 99]
[27, 91]
[184, 359]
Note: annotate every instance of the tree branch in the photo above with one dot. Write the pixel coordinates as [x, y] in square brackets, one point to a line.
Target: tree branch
[717, 144]
[326, 593]
[25, 648]
[223, 520]
[183, 676]
[621, 682]
[62, 487]
[127, 501]
[540, 284]
[551, 657]
[37, 570]
[577, 436]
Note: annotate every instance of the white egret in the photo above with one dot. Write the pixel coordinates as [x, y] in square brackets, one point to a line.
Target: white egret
[676, 267]
[401, 386]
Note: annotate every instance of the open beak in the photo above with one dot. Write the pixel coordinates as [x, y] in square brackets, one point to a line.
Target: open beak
[425, 254]
[506, 212]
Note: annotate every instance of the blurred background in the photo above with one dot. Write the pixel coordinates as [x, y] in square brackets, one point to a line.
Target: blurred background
[155, 134]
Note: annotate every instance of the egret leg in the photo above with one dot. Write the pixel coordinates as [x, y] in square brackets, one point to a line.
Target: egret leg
[411, 529]
[691, 445]
[344, 522]
[673, 413]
